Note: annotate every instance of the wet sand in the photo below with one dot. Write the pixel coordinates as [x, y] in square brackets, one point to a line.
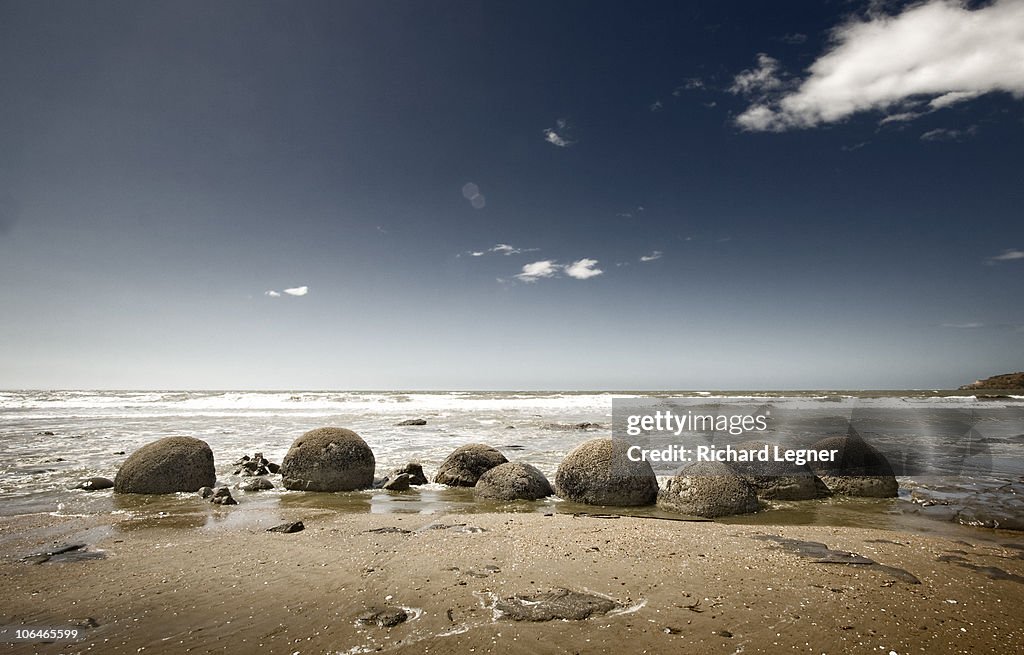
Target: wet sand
[186, 583]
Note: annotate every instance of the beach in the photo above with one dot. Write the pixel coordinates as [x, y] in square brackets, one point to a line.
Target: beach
[440, 569]
[200, 584]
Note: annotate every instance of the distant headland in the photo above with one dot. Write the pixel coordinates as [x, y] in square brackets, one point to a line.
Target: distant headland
[1004, 381]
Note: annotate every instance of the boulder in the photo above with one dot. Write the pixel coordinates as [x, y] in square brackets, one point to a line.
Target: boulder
[167, 466]
[95, 484]
[708, 489]
[415, 472]
[858, 470]
[466, 464]
[773, 480]
[598, 472]
[398, 483]
[513, 481]
[328, 459]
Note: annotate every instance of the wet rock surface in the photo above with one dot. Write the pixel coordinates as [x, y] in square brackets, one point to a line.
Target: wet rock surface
[255, 465]
[412, 421]
[819, 553]
[75, 552]
[556, 604]
[708, 489]
[384, 617]
[288, 528]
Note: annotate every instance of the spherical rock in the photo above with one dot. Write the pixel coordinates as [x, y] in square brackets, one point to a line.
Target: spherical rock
[466, 464]
[513, 481]
[774, 480]
[858, 470]
[709, 489]
[599, 472]
[167, 466]
[328, 459]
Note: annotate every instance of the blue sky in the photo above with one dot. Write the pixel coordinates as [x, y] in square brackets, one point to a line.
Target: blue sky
[535, 195]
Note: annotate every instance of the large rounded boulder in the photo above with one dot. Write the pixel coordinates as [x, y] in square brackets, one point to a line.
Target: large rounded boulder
[774, 480]
[466, 464]
[513, 481]
[328, 459]
[599, 472]
[858, 469]
[167, 466]
[708, 489]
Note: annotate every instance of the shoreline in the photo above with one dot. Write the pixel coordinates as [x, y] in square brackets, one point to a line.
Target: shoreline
[186, 588]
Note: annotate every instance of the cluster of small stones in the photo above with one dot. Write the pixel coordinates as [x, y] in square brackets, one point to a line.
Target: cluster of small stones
[596, 472]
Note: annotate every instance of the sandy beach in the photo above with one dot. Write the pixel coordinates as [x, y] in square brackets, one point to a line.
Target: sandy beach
[204, 583]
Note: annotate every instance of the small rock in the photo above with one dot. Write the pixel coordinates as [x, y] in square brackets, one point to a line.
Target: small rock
[222, 496]
[415, 472]
[384, 617]
[413, 421]
[95, 484]
[288, 528]
[257, 484]
[398, 483]
[205, 492]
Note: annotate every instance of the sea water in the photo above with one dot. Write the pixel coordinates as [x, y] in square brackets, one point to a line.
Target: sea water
[51, 440]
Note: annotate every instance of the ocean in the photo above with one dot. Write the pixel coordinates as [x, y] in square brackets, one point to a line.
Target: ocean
[50, 440]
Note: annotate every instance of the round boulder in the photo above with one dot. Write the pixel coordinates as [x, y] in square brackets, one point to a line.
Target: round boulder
[709, 489]
[328, 459]
[513, 481]
[858, 470]
[466, 464]
[599, 472]
[167, 466]
[774, 480]
[95, 484]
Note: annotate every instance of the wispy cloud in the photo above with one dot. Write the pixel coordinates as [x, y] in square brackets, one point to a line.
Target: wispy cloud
[1006, 256]
[297, 291]
[930, 56]
[538, 270]
[272, 293]
[963, 326]
[796, 38]
[500, 249]
[471, 192]
[651, 257]
[583, 269]
[944, 134]
[558, 135]
[656, 106]
[690, 84]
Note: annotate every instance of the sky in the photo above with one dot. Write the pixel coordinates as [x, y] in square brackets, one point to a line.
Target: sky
[516, 195]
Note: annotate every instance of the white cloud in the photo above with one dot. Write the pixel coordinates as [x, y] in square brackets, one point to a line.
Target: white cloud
[555, 139]
[297, 291]
[930, 56]
[558, 136]
[656, 106]
[1008, 255]
[761, 80]
[537, 270]
[583, 269]
[963, 326]
[272, 293]
[651, 257]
